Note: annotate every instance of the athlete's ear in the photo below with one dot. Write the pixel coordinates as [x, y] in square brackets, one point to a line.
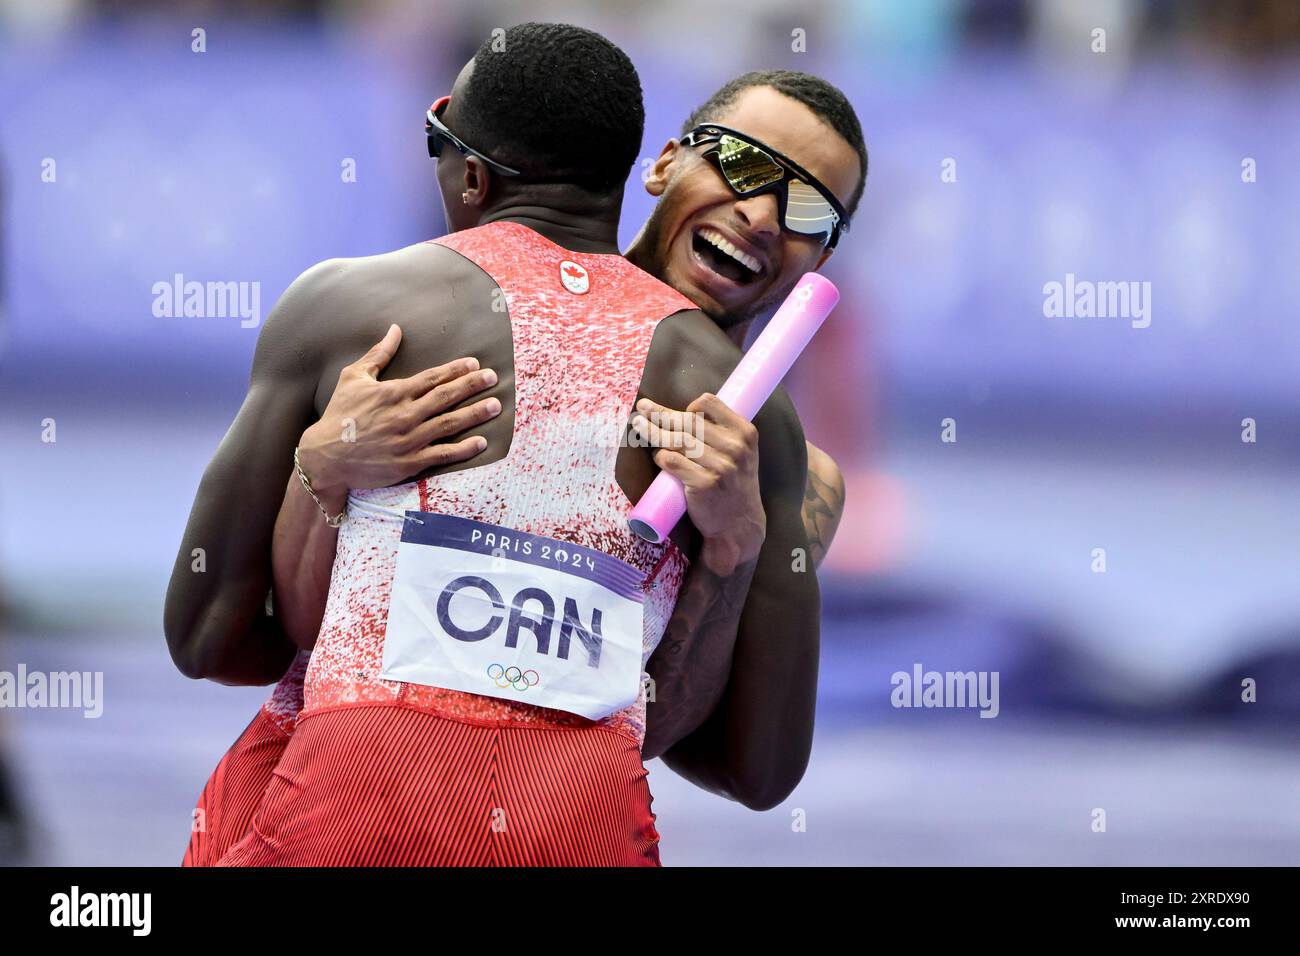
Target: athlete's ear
[656, 177]
[477, 180]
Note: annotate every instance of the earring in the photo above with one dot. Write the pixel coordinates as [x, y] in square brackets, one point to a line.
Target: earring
[464, 197]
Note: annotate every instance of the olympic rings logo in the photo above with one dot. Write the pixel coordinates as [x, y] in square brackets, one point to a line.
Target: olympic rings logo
[513, 677]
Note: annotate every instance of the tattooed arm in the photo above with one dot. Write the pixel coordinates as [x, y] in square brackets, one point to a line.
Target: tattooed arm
[823, 502]
[719, 468]
[754, 745]
[691, 665]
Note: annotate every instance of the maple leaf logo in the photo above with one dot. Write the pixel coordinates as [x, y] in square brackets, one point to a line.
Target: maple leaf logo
[574, 276]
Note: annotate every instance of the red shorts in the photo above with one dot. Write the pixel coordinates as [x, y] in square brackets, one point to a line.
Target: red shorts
[372, 785]
[234, 790]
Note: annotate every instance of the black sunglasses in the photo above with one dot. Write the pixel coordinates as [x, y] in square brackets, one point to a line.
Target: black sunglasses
[752, 168]
[438, 133]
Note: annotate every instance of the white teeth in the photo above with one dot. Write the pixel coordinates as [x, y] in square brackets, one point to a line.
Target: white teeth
[717, 240]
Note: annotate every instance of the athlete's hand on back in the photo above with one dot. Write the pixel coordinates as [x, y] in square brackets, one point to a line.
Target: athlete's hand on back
[375, 434]
[714, 452]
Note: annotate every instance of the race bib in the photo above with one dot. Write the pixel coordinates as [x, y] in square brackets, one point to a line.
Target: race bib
[488, 610]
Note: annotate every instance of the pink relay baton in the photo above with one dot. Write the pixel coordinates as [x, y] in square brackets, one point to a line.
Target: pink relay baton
[750, 385]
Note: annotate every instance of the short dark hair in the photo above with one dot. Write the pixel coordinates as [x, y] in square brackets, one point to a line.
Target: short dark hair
[821, 97]
[555, 101]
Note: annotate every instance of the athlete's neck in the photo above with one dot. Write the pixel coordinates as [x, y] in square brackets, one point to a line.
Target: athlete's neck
[641, 255]
[593, 230]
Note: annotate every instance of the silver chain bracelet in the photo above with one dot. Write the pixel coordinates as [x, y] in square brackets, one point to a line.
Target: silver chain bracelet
[334, 521]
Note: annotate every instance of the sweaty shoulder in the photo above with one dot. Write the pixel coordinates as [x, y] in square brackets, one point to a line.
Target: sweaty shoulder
[344, 306]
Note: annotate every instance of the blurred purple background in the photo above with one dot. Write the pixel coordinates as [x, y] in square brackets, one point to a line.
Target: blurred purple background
[1119, 690]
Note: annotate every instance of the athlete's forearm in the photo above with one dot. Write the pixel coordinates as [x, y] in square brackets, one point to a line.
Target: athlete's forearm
[302, 558]
[691, 665]
[215, 617]
[754, 747]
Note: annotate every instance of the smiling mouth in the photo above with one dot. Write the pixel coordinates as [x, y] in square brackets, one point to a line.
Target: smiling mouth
[721, 257]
